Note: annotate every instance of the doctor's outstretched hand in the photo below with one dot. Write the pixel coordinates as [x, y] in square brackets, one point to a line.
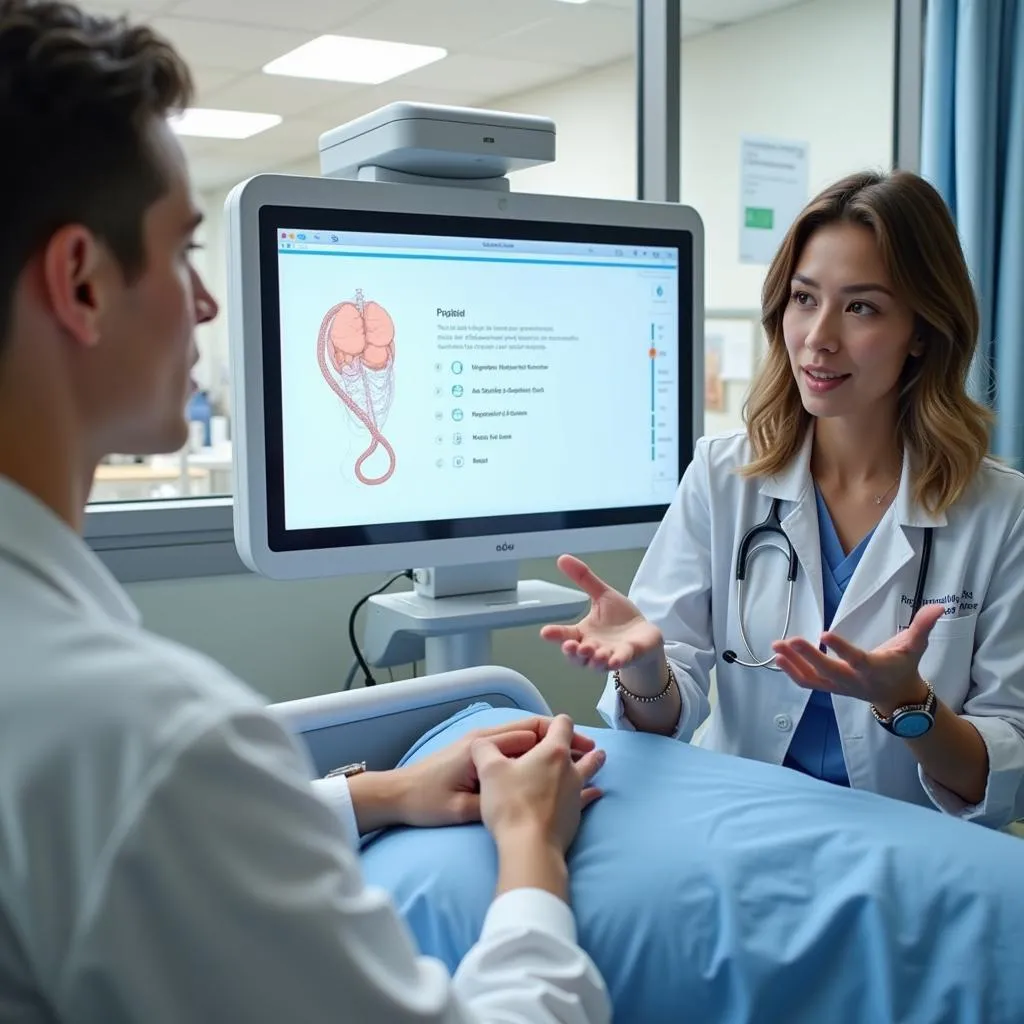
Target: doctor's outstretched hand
[613, 634]
[886, 677]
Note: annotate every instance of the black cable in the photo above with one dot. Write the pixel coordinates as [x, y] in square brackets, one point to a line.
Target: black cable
[367, 674]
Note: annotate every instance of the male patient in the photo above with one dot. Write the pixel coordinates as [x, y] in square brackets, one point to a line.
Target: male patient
[163, 856]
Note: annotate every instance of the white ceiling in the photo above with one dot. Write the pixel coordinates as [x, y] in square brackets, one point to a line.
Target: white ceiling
[495, 48]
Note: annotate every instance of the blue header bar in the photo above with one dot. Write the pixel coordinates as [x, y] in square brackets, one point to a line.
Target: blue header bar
[351, 243]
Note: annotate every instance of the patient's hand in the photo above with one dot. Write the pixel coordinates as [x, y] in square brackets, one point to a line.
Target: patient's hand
[539, 794]
[532, 804]
[444, 789]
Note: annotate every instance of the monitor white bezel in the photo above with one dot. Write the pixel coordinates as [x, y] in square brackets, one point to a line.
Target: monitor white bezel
[245, 329]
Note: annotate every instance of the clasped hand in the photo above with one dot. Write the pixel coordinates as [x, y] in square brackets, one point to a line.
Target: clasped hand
[491, 774]
[886, 677]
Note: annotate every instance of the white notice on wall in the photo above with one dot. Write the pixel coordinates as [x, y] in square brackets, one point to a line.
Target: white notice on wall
[734, 342]
[773, 190]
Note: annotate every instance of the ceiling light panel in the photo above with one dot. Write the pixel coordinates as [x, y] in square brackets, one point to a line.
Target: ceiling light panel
[209, 123]
[349, 59]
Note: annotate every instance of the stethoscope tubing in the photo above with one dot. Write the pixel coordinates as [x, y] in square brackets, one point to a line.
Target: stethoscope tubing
[772, 524]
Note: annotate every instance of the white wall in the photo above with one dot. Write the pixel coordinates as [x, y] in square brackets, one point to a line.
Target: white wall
[595, 117]
[821, 72]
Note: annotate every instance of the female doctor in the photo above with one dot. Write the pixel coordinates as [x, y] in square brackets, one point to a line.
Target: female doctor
[851, 564]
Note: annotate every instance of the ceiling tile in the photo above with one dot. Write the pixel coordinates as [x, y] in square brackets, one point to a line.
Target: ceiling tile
[287, 141]
[315, 16]
[137, 8]
[453, 24]
[497, 75]
[196, 147]
[220, 44]
[241, 158]
[466, 95]
[220, 172]
[278, 94]
[707, 12]
[591, 37]
[209, 79]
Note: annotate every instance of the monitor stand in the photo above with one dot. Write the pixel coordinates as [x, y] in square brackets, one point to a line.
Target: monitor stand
[448, 618]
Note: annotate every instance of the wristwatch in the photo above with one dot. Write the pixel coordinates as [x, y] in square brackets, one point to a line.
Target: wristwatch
[909, 721]
[348, 770]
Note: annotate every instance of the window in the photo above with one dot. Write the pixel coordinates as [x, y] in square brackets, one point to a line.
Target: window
[774, 107]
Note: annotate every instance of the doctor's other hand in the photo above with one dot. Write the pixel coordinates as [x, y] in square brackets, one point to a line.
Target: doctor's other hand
[613, 634]
[887, 677]
[537, 797]
[444, 788]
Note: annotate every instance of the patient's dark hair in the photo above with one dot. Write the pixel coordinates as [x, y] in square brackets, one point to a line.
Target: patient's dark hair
[78, 97]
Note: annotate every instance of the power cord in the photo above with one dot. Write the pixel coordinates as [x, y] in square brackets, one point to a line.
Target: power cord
[406, 574]
[353, 669]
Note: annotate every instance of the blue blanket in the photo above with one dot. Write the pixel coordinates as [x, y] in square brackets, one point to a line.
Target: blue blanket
[717, 890]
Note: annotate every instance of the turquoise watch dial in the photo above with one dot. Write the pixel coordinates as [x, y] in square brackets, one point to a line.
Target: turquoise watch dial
[911, 724]
[911, 720]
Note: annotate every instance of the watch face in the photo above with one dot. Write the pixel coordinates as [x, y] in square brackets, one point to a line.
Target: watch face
[911, 724]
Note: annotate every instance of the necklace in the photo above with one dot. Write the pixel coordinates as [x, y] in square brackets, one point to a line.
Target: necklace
[879, 498]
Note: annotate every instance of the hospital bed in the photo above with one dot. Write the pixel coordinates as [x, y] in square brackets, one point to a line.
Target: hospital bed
[708, 887]
[379, 724]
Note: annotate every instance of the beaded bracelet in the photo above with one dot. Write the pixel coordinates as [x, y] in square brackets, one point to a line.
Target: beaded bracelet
[646, 700]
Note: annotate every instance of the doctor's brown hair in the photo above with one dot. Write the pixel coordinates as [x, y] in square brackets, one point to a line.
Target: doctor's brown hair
[939, 423]
[78, 97]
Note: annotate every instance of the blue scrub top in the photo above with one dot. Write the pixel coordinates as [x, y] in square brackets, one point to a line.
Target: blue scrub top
[816, 748]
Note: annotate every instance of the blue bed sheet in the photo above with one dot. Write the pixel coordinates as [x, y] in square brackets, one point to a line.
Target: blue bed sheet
[717, 890]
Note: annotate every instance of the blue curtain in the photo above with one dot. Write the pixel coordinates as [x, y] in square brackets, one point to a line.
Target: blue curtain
[973, 152]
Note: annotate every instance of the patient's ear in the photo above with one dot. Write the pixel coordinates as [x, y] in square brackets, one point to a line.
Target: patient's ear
[73, 279]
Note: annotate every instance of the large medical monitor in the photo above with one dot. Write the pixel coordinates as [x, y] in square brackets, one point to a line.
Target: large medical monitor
[428, 376]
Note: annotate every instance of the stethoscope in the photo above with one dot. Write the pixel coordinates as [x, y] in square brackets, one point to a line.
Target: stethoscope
[772, 524]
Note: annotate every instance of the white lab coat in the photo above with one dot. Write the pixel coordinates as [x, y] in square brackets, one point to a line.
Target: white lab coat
[163, 857]
[975, 658]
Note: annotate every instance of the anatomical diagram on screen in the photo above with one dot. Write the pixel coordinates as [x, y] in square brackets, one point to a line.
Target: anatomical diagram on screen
[356, 352]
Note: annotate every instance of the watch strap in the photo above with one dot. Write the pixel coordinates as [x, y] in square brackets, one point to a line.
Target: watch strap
[927, 706]
[348, 770]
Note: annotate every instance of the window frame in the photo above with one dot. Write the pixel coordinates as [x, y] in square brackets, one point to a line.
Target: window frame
[165, 540]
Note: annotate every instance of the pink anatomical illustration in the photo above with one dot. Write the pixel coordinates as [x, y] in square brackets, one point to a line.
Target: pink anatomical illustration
[356, 351]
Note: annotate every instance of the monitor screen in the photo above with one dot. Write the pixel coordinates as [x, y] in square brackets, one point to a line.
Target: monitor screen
[432, 377]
